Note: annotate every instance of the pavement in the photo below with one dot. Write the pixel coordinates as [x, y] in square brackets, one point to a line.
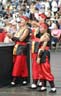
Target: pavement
[25, 91]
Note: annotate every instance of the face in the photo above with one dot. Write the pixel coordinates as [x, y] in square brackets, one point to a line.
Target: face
[42, 29]
[55, 26]
[41, 19]
[23, 22]
[14, 27]
[59, 21]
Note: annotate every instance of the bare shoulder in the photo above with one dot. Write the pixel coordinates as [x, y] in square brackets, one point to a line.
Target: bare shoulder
[26, 29]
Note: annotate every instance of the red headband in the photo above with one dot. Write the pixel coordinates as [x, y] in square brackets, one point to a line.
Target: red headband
[25, 18]
[44, 26]
[43, 16]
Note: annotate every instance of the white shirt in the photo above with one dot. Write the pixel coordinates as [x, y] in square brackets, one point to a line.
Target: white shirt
[54, 6]
[47, 5]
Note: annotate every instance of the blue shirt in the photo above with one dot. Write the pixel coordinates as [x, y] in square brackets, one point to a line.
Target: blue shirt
[38, 6]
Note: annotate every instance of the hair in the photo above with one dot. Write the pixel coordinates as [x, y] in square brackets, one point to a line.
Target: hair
[56, 22]
[33, 2]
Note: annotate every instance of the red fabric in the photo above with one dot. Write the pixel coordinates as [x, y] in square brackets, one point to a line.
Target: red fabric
[20, 66]
[45, 71]
[33, 37]
[36, 39]
[35, 67]
[25, 18]
[21, 43]
[43, 16]
[2, 36]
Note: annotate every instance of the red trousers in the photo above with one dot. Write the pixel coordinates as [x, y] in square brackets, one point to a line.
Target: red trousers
[41, 71]
[20, 66]
[35, 67]
[45, 71]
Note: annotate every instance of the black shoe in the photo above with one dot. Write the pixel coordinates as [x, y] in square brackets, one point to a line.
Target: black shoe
[12, 84]
[42, 89]
[51, 91]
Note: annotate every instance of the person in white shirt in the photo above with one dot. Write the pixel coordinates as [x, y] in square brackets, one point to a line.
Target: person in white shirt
[54, 6]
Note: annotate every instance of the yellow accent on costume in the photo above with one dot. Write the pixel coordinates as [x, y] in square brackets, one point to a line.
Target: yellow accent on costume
[18, 34]
[33, 42]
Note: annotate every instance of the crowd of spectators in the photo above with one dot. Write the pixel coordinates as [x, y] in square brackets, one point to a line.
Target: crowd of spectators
[12, 10]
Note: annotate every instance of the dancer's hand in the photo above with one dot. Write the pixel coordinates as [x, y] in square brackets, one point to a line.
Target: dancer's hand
[38, 60]
[10, 35]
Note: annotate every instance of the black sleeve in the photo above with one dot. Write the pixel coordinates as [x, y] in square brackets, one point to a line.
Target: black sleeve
[15, 39]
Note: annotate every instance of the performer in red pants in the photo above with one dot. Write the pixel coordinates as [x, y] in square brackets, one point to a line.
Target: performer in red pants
[20, 59]
[43, 59]
[35, 41]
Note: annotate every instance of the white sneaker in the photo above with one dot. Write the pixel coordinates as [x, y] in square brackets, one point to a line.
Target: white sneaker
[24, 82]
[53, 90]
[33, 86]
[12, 83]
[39, 83]
[43, 89]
